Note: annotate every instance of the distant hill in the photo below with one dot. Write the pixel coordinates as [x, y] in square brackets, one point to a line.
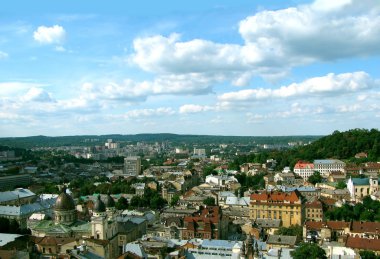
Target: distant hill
[44, 141]
[339, 145]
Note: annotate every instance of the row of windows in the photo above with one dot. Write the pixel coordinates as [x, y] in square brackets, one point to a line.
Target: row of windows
[281, 207]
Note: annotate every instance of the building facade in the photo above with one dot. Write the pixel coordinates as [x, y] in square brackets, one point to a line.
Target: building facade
[207, 223]
[132, 165]
[287, 207]
[304, 169]
[326, 166]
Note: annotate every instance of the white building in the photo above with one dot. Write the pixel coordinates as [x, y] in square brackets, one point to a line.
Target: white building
[304, 169]
[326, 166]
[220, 180]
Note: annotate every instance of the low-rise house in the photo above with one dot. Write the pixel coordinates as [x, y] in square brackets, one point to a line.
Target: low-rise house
[339, 230]
[284, 178]
[268, 226]
[372, 168]
[365, 229]
[237, 202]
[361, 244]
[280, 241]
[225, 182]
[336, 250]
[207, 223]
[215, 249]
[337, 194]
[335, 177]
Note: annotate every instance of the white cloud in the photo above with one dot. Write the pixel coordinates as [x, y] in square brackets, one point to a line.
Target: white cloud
[329, 85]
[140, 113]
[11, 89]
[3, 55]
[275, 42]
[35, 94]
[324, 30]
[193, 108]
[50, 35]
[60, 49]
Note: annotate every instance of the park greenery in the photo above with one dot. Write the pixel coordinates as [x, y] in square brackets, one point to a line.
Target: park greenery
[310, 251]
[369, 210]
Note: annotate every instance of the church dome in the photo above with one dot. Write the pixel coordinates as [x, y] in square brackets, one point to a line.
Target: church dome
[110, 203]
[99, 205]
[64, 202]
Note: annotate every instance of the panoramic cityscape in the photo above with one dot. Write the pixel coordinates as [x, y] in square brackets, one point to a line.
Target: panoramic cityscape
[203, 129]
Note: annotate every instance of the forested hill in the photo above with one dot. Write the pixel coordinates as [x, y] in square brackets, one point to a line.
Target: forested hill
[339, 145]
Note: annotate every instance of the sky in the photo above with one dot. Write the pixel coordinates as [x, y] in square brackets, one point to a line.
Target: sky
[245, 68]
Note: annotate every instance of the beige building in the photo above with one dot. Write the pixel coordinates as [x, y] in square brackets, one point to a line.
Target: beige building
[314, 211]
[287, 207]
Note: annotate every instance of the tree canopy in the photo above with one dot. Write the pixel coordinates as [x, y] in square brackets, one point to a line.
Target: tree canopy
[310, 251]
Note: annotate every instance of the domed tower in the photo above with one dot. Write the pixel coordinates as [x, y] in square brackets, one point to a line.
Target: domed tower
[99, 208]
[110, 205]
[99, 223]
[64, 209]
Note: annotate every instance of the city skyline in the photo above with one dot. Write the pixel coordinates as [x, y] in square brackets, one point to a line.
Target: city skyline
[216, 68]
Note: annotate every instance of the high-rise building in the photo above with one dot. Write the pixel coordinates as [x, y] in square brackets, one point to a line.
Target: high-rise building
[132, 165]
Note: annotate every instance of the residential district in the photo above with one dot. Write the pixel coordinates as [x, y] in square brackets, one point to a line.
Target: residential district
[122, 201]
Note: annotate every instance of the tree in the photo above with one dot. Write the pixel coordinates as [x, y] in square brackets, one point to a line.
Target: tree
[310, 251]
[341, 185]
[368, 255]
[315, 178]
[209, 201]
[122, 203]
[174, 200]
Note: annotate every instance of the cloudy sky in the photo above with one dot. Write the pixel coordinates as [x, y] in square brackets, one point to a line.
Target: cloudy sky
[199, 67]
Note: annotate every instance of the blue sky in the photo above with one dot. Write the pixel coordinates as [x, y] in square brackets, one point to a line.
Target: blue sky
[200, 67]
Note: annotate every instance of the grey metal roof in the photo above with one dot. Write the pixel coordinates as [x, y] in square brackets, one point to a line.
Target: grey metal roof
[7, 238]
[283, 240]
[136, 249]
[14, 195]
[26, 209]
[328, 161]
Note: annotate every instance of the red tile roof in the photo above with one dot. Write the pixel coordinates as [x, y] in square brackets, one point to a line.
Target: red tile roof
[363, 243]
[304, 165]
[365, 227]
[334, 225]
[314, 204]
[276, 196]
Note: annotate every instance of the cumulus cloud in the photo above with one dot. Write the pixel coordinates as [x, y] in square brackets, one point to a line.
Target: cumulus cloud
[328, 85]
[35, 94]
[138, 91]
[50, 35]
[274, 43]
[193, 108]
